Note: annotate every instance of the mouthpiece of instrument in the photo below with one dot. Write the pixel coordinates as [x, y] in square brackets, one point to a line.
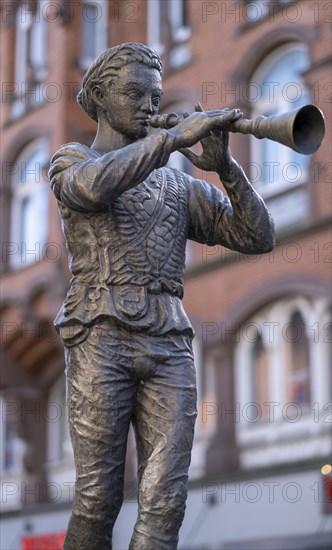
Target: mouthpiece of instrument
[164, 121]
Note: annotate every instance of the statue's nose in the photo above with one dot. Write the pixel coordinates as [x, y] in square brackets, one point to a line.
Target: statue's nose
[147, 105]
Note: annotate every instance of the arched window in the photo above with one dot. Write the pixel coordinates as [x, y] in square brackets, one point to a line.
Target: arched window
[282, 382]
[29, 212]
[30, 54]
[278, 172]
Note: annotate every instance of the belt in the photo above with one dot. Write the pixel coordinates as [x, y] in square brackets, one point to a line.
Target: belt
[156, 286]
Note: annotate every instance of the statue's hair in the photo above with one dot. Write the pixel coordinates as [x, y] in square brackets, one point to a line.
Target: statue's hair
[106, 66]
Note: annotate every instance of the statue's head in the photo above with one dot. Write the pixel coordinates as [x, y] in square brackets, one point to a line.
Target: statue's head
[105, 69]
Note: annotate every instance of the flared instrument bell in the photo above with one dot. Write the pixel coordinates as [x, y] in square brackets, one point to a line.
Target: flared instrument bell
[302, 129]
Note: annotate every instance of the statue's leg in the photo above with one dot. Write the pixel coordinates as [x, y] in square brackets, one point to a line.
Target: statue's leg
[100, 405]
[164, 424]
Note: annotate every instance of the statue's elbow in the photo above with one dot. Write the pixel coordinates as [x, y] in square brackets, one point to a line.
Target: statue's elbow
[269, 240]
[269, 246]
[264, 240]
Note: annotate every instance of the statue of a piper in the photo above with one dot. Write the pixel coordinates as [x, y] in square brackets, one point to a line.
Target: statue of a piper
[128, 342]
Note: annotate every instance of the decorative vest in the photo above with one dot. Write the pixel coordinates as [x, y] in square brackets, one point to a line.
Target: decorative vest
[128, 262]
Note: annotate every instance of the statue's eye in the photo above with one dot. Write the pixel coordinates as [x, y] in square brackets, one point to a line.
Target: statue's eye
[134, 95]
[156, 101]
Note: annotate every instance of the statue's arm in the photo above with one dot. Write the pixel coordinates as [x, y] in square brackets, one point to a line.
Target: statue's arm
[239, 221]
[83, 180]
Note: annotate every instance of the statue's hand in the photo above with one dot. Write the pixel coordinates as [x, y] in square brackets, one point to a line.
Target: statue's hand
[199, 125]
[216, 155]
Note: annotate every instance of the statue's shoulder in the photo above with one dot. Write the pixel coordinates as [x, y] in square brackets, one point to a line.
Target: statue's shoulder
[65, 157]
[76, 151]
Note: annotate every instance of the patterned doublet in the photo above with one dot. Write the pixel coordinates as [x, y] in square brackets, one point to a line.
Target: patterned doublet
[149, 227]
[128, 260]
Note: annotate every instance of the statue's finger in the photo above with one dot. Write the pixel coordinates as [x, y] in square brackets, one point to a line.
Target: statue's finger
[216, 132]
[218, 111]
[191, 156]
[231, 114]
[198, 107]
[237, 115]
[225, 139]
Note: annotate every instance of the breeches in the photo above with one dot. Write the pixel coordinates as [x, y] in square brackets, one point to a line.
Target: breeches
[115, 377]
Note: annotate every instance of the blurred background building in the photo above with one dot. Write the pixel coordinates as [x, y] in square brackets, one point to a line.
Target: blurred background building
[262, 324]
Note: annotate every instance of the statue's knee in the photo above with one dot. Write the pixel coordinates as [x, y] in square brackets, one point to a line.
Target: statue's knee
[98, 505]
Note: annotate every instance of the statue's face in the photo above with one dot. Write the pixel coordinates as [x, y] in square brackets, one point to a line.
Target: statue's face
[132, 98]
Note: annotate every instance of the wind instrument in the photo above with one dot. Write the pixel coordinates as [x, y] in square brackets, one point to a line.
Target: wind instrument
[302, 129]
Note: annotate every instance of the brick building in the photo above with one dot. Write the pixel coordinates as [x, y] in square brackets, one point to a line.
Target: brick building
[262, 323]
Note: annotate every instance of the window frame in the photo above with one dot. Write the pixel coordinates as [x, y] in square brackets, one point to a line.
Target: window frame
[16, 443]
[29, 29]
[278, 428]
[169, 41]
[100, 41]
[154, 37]
[25, 190]
[59, 448]
[291, 185]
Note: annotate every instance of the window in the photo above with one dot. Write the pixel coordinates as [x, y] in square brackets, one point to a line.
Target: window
[180, 33]
[259, 373]
[59, 444]
[154, 26]
[60, 458]
[7, 446]
[278, 172]
[94, 31]
[256, 10]
[282, 377]
[168, 31]
[204, 428]
[30, 55]
[297, 361]
[11, 446]
[38, 43]
[29, 212]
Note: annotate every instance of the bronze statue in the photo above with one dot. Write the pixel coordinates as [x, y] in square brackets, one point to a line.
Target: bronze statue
[128, 341]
